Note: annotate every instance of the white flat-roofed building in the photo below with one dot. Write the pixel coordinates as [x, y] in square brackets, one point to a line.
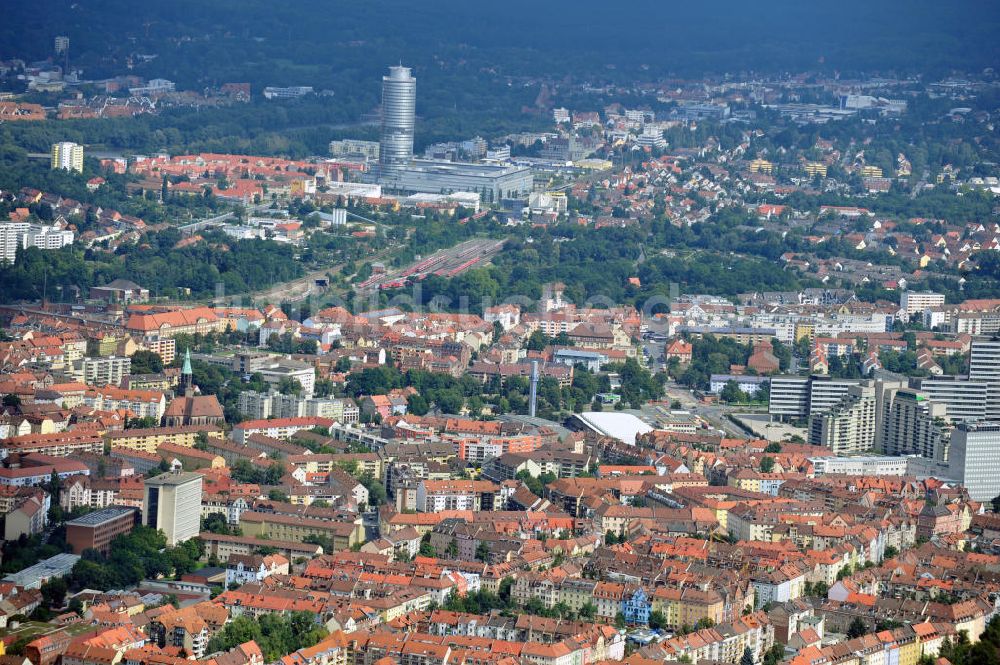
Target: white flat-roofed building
[825, 393]
[102, 371]
[367, 150]
[288, 92]
[789, 397]
[849, 426]
[491, 181]
[868, 465]
[302, 372]
[963, 398]
[68, 156]
[915, 302]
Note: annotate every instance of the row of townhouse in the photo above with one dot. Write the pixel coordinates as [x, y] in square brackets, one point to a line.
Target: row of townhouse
[724, 643]
[679, 605]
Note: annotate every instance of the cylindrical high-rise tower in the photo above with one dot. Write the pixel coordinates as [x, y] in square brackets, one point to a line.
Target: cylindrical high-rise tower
[399, 99]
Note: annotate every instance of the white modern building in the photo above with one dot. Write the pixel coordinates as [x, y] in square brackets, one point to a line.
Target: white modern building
[867, 465]
[963, 398]
[296, 370]
[354, 148]
[915, 302]
[789, 397]
[16, 236]
[260, 406]
[975, 458]
[912, 424]
[984, 365]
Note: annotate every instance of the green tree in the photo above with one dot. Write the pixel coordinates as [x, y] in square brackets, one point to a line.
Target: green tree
[857, 628]
[747, 657]
[289, 386]
[774, 655]
[54, 592]
[417, 405]
[731, 393]
[146, 362]
[766, 464]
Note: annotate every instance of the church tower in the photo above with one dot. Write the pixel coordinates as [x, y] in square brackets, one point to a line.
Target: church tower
[186, 387]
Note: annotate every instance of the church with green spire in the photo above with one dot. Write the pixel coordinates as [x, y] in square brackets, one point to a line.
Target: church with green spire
[189, 407]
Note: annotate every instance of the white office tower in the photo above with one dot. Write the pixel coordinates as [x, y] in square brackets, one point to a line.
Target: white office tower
[964, 399]
[399, 100]
[975, 458]
[172, 504]
[984, 366]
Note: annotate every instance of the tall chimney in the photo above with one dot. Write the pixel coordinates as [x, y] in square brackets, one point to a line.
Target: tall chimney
[534, 388]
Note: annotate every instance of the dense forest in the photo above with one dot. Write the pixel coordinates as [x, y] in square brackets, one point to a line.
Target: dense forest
[471, 80]
[335, 45]
[157, 265]
[596, 264]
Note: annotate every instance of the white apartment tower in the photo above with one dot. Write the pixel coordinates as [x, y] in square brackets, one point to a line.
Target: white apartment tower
[849, 427]
[912, 424]
[68, 156]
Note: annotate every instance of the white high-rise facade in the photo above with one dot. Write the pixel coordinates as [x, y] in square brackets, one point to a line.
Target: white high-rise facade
[975, 458]
[67, 156]
[984, 365]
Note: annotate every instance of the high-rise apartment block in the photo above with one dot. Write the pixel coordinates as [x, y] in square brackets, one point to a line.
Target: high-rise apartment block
[912, 424]
[849, 426]
[16, 236]
[68, 156]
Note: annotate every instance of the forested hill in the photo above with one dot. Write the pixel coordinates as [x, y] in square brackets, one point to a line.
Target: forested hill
[336, 44]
